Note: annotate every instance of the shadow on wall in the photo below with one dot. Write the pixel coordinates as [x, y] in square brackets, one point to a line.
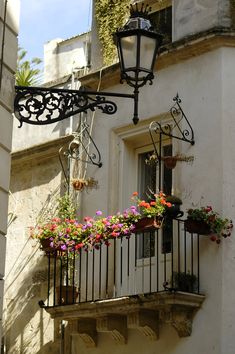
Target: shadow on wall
[28, 329]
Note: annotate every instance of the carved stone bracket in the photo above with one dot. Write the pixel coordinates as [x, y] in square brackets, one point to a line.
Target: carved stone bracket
[180, 318]
[85, 328]
[146, 321]
[115, 325]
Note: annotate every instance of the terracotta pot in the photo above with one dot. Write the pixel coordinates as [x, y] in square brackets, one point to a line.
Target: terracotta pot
[169, 161]
[148, 224]
[66, 294]
[45, 246]
[78, 185]
[197, 227]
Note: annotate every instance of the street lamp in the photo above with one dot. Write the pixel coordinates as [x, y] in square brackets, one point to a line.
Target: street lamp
[137, 43]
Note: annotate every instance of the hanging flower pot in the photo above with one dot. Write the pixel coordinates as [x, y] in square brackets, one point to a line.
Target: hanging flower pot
[79, 184]
[170, 161]
[148, 224]
[197, 227]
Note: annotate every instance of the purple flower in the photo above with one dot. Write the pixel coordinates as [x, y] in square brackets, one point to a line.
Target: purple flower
[63, 247]
[99, 212]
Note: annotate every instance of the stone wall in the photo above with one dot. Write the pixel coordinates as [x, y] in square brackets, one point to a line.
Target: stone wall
[194, 16]
[9, 16]
[27, 328]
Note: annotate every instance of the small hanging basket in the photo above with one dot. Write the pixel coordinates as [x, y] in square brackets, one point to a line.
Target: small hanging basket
[79, 184]
[170, 161]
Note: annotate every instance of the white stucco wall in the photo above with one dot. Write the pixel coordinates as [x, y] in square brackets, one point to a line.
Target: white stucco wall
[205, 85]
[61, 57]
[200, 82]
[6, 100]
[194, 16]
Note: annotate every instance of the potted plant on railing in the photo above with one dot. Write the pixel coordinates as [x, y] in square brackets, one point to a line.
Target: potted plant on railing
[60, 232]
[205, 221]
[99, 230]
[186, 282]
[67, 292]
[152, 212]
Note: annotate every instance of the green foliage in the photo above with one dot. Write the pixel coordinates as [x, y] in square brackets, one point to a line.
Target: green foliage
[66, 208]
[110, 15]
[27, 73]
[185, 282]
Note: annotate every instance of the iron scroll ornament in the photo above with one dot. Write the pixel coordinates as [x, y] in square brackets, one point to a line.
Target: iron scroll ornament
[173, 129]
[41, 106]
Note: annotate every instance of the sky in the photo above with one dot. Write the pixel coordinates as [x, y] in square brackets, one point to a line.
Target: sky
[44, 20]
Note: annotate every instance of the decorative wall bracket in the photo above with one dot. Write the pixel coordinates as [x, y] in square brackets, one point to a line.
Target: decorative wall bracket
[40, 105]
[174, 128]
[83, 148]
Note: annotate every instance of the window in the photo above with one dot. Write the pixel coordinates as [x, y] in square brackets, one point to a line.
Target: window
[148, 183]
[162, 21]
[161, 17]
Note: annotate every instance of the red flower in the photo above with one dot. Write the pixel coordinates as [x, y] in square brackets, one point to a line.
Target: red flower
[79, 245]
[135, 194]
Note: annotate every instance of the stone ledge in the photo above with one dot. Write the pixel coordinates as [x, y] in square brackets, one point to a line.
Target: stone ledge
[144, 313]
[123, 305]
[41, 151]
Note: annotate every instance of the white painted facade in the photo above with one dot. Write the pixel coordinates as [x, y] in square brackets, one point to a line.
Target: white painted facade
[65, 57]
[205, 80]
[9, 25]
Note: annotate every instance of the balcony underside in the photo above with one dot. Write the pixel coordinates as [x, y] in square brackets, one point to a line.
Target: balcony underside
[145, 313]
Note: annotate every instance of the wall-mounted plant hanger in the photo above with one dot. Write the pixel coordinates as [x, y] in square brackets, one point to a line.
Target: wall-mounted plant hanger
[82, 150]
[177, 128]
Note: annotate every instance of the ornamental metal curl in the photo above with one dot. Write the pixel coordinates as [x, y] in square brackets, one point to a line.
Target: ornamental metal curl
[174, 128]
[83, 147]
[40, 106]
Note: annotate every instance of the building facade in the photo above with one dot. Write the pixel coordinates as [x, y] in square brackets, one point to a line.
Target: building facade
[9, 23]
[126, 300]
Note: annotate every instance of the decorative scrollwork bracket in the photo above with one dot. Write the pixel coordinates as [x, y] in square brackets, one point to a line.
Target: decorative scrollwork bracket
[40, 105]
[176, 128]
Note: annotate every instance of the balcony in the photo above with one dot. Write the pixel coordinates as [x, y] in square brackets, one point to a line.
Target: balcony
[138, 282]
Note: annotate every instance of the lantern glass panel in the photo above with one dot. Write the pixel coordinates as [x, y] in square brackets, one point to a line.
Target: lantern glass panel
[147, 52]
[129, 51]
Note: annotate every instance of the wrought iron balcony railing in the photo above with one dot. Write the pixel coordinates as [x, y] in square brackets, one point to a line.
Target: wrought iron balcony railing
[149, 262]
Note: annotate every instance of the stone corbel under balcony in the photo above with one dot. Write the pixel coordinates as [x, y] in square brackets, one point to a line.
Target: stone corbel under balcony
[145, 313]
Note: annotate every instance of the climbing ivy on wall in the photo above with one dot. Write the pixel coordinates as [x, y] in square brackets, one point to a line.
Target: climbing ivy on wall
[110, 15]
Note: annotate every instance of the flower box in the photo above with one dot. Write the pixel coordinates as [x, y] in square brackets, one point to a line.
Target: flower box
[148, 224]
[197, 227]
[45, 246]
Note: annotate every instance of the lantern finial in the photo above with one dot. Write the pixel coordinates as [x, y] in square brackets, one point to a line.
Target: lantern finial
[139, 11]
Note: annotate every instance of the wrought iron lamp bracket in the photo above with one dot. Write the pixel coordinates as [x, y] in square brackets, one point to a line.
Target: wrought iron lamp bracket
[173, 129]
[41, 106]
